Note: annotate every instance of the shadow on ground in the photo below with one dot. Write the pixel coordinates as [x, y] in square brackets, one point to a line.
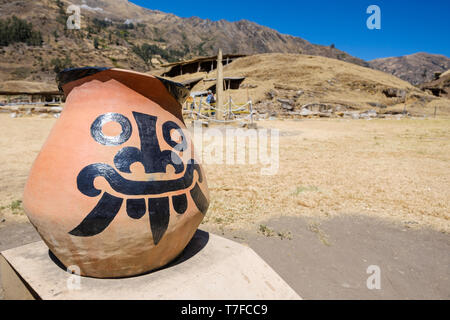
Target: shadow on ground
[14, 235]
[328, 259]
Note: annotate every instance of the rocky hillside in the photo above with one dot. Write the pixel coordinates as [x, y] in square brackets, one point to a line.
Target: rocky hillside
[285, 84]
[118, 33]
[439, 87]
[416, 68]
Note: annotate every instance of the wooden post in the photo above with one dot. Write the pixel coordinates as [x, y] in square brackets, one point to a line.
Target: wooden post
[219, 87]
[251, 113]
[199, 109]
[230, 114]
[192, 108]
[435, 111]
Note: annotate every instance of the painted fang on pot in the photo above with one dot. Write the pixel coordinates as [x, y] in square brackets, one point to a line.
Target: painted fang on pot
[150, 194]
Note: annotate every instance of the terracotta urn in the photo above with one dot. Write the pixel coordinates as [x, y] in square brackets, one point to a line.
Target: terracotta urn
[117, 189]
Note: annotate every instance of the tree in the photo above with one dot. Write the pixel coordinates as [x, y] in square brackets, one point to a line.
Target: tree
[146, 52]
[13, 30]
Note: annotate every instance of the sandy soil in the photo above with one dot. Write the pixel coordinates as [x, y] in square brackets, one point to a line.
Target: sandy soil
[329, 259]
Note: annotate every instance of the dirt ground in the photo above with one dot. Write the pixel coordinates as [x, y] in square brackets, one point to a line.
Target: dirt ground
[329, 258]
[394, 175]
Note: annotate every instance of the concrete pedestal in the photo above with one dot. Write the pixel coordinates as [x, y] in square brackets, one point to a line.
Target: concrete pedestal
[211, 268]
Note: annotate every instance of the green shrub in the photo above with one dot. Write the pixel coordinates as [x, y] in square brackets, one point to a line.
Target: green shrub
[125, 26]
[101, 24]
[147, 51]
[61, 64]
[13, 30]
[21, 73]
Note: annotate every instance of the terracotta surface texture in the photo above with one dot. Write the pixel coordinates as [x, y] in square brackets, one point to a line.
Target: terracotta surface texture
[116, 190]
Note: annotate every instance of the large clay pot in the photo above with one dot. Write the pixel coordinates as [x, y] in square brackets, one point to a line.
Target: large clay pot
[117, 190]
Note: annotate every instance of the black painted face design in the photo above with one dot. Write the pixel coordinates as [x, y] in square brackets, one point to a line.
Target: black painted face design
[139, 195]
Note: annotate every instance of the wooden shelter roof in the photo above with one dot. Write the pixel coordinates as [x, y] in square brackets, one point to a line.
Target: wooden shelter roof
[33, 93]
[203, 59]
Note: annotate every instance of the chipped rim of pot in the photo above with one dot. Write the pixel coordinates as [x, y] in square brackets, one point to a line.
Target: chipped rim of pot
[168, 94]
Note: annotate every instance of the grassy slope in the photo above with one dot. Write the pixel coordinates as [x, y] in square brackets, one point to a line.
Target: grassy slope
[322, 80]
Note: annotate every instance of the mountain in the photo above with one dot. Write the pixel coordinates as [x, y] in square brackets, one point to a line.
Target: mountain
[117, 33]
[416, 68]
[283, 83]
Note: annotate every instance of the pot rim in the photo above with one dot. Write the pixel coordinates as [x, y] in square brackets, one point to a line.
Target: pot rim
[168, 94]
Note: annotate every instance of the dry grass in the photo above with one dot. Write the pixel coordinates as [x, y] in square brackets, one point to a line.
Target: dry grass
[27, 86]
[387, 168]
[395, 169]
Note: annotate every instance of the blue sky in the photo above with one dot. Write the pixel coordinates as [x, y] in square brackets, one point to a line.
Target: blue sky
[406, 26]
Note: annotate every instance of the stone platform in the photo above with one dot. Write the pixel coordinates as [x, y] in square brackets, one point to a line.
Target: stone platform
[210, 268]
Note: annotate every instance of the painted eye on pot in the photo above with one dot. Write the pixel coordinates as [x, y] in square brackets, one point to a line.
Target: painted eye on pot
[140, 197]
[100, 122]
